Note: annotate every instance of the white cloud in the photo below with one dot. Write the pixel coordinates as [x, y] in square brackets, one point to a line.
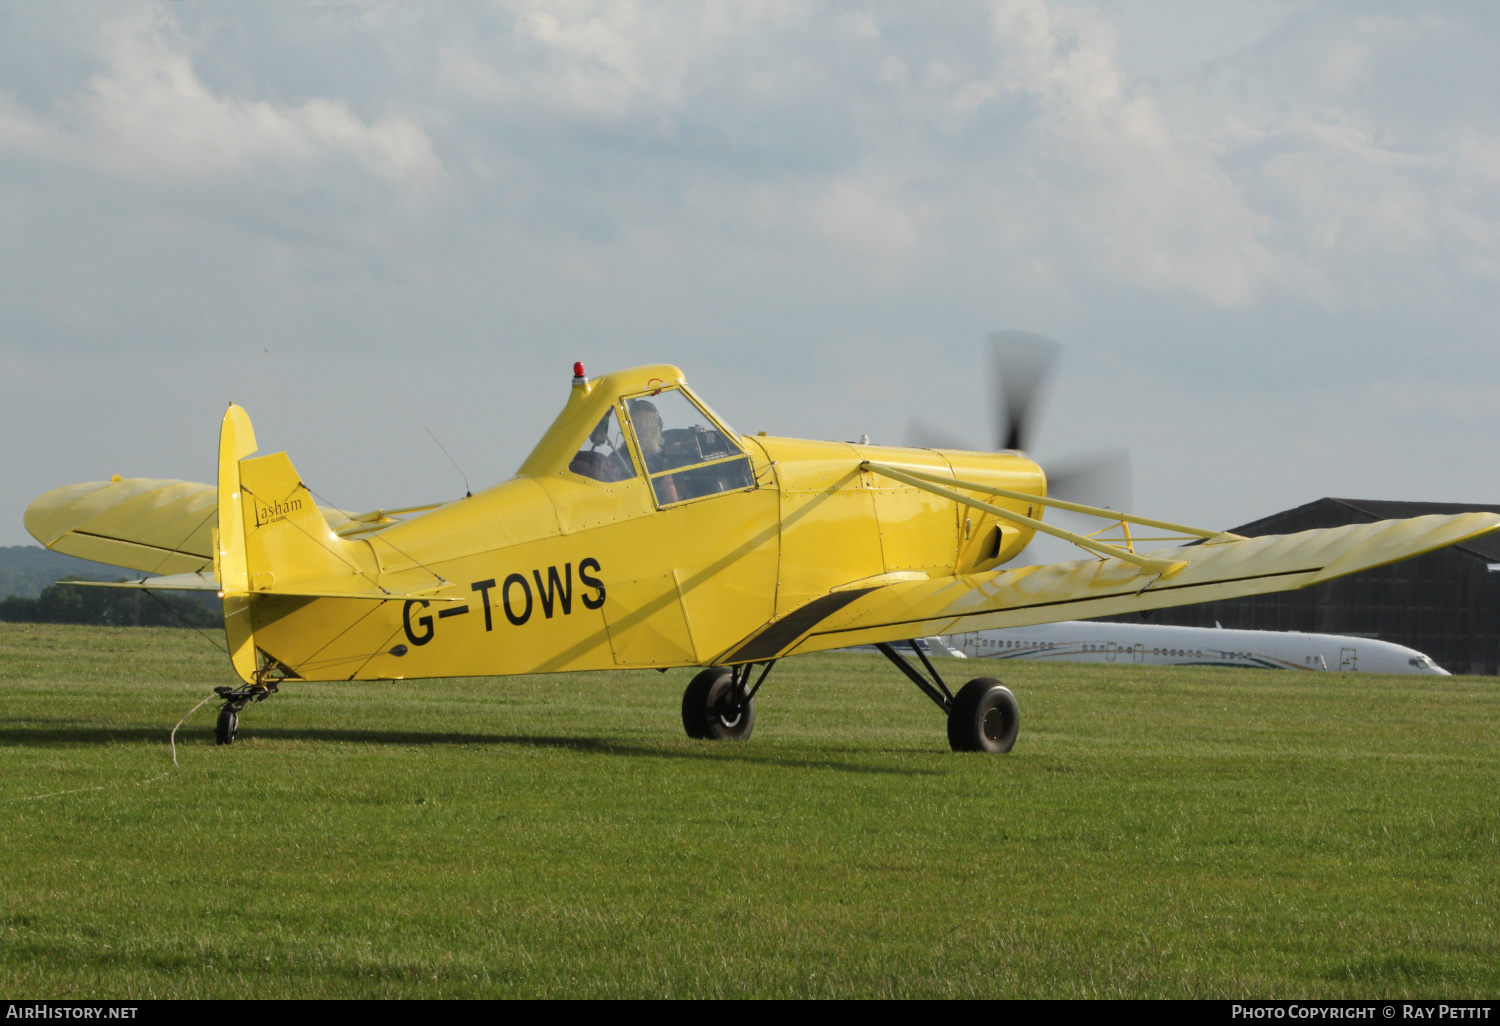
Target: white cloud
[1013, 134]
[19, 132]
[1089, 173]
[147, 115]
[818, 209]
[1148, 203]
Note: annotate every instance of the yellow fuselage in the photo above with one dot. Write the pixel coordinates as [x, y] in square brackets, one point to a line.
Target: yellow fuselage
[560, 572]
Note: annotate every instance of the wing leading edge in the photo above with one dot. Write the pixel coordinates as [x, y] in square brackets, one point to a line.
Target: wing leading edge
[1088, 588]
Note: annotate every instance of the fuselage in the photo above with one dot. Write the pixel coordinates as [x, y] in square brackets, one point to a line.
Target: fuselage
[1162, 645]
[602, 552]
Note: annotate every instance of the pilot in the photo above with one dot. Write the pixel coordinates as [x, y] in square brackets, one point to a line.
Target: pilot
[647, 420]
[602, 460]
[600, 435]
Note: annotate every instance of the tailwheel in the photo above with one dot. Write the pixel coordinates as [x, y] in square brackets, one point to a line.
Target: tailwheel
[235, 700]
[984, 718]
[717, 706]
[227, 727]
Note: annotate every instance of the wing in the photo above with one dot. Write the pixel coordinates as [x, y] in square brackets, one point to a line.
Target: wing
[1101, 587]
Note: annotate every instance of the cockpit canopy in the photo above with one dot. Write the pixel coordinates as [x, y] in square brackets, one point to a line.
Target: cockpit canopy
[686, 452]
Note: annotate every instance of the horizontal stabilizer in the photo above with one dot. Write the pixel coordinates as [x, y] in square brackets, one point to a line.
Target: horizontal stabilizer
[141, 523]
[205, 582]
[370, 595]
[157, 526]
[166, 582]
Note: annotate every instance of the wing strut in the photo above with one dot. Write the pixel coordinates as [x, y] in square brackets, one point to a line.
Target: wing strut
[1166, 568]
[934, 689]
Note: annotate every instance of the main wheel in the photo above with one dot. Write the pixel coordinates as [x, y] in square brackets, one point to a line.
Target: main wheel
[224, 731]
[984, 717]
[709, 711]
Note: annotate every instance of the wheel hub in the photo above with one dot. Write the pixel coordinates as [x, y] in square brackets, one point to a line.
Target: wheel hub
[994, 724]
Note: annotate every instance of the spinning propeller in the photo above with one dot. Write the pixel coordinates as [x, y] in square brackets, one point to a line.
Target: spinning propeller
[1020, 362]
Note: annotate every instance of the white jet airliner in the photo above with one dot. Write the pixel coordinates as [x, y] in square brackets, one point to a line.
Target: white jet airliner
[1160, 645]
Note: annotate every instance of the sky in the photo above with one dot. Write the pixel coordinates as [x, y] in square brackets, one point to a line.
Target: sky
[1266, 234]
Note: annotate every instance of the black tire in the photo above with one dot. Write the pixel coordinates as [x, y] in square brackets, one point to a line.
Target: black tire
[708, 712]
[985, 717]
[227, 727]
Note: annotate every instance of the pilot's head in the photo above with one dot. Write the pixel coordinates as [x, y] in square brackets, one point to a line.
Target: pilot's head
[647, 421]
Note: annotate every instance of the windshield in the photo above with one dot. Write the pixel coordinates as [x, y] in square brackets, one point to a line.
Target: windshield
[686, 454]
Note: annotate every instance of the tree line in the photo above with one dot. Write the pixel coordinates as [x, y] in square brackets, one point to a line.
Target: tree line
[109, 607]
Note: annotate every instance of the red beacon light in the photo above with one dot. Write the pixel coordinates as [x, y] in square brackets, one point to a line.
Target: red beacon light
[579, 381]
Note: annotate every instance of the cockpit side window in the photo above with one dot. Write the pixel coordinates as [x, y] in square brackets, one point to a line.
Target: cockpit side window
[687, 455]
[605, 456]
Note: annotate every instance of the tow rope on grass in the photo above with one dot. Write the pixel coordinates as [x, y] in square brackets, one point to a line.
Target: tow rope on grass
[81, 790]
[173, 738]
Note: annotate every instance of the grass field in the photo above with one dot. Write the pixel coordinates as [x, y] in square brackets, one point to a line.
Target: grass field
[1156, 832]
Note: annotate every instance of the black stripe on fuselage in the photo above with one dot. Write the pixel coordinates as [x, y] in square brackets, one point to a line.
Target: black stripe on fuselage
[770, 643]
[1064, 602]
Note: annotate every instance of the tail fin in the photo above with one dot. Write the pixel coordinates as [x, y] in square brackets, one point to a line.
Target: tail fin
[236, 441]
[272, 536]
[287, 540]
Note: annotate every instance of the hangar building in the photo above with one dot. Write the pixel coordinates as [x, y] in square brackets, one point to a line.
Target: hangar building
[1446, 603]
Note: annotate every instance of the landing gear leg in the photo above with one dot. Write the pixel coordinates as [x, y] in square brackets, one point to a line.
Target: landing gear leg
[719, 704]
[235, 701]
[983, 717]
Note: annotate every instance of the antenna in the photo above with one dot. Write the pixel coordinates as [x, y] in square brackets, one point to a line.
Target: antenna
[468, 492]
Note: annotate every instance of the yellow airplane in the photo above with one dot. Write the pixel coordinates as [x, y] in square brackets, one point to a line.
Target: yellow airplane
[644, 532]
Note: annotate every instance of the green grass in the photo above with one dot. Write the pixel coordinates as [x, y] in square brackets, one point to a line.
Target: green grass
[1156, 832]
